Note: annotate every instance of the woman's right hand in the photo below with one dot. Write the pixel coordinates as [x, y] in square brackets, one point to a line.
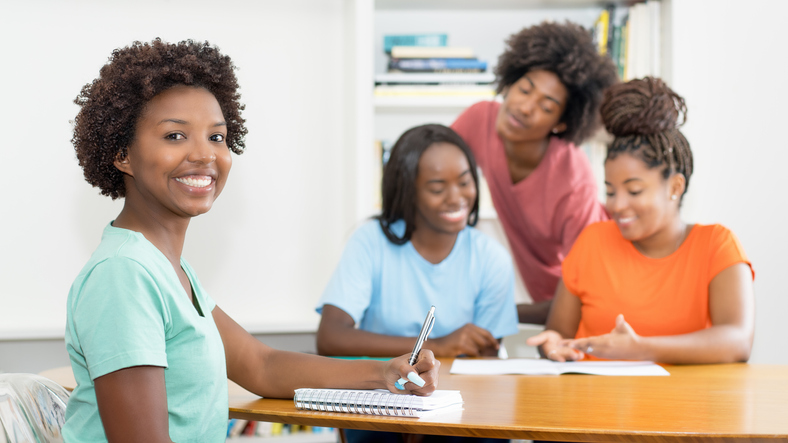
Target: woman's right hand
[469, 340]
[553, 346]
[422, 381]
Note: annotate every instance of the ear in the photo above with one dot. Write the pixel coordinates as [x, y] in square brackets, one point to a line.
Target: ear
[505, 91]
[559, 128]
[122, 162]
[676, 186]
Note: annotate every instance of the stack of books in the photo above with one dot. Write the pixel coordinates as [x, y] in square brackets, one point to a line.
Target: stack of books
[422, 66]
[631, 36]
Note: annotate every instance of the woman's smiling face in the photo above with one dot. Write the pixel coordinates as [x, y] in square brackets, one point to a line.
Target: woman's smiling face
[639, 199]
[445, 189]
[178, 162]
[532, 107]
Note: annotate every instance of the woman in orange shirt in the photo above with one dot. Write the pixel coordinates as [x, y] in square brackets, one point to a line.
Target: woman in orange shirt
[646, 285]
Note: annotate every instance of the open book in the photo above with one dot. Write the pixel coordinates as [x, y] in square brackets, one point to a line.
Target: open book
[548, 367]
[377, 402]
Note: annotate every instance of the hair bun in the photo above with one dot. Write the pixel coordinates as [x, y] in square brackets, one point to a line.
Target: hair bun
[642, 107]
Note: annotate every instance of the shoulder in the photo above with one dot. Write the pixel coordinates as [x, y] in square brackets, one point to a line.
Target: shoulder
[474, 115]
[599, 233]
[485, 246]
[716, 236]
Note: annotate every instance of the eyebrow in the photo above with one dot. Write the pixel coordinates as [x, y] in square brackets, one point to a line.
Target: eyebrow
[626, 181]
[546, 96]
[438, 180]
[184, 122]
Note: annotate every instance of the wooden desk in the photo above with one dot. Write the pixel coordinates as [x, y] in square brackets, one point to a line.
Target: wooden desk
[722, 403]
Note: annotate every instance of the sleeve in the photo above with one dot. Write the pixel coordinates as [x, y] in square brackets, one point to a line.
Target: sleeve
[725, 251]
[494, 308]
[120, 318]
[576, 210]
[572, 265]
[350, 287]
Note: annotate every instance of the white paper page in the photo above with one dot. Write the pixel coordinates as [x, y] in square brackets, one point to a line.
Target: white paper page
[549, 367]
[631, 368]
[509, 366]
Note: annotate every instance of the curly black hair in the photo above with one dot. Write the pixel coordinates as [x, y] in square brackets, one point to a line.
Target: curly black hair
[644, 116]
[398, 187]
[568, 51]
[112, 103]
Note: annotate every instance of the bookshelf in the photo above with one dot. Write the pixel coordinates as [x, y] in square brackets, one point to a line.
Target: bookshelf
[481, 24]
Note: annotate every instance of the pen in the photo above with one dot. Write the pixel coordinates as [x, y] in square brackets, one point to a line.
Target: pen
[426, 328]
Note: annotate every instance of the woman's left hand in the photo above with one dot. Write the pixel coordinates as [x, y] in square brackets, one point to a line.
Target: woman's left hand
[621, 343]
[422, 378]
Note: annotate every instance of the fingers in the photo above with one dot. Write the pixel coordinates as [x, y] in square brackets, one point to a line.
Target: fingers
[421, 378]
[583, 345]
[542, 338]
[563, 353]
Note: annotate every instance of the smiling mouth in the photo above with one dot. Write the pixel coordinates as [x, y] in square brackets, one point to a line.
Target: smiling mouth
[625, 220]
[195, 182]
[454, 216]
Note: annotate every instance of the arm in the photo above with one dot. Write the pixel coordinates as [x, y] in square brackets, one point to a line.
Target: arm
[728, 340]
[273, 373]
[131, 397]
[534, 313]
[337, 335]
[562, 323]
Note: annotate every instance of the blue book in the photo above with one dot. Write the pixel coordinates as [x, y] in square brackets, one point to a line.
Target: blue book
[390, 41]
[437, 64]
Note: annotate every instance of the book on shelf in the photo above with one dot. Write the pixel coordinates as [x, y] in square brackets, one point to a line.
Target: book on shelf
[389, 41]
[440, 90]
[431, 52]
[377, 402]
[631, 36]
[437, 65]
[527, 366]
[434, 78]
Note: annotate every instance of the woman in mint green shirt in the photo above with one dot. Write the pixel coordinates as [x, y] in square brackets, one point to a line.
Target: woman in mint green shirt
[150, 350]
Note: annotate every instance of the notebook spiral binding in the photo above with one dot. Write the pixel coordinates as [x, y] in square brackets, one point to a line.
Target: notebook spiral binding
[356, 402]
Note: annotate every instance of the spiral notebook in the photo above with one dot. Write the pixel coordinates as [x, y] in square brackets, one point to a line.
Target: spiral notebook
[377, 402]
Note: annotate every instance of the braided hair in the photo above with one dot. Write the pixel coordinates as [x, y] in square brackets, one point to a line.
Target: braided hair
[644, 115]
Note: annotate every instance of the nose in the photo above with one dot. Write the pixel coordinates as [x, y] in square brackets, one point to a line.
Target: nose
[527, 104]
[454, 196]
[202, 152]
[615, 203]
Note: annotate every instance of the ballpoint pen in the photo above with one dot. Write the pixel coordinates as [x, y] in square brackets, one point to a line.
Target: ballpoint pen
[426, 328]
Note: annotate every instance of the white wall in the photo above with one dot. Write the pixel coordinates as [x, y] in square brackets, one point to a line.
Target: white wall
[729, 63]
[268, 247]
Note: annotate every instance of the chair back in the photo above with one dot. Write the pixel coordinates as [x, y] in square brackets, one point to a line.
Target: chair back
[32, 409]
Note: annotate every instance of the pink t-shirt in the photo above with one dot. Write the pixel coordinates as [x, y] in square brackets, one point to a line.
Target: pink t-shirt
[542, 214]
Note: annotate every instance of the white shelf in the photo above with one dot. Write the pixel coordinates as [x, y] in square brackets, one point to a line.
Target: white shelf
[460, 102]
[489, 4]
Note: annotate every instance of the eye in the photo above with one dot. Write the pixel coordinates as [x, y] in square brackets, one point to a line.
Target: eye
[436, 191]
[465, 183]
[175, 136]
[219, 138]
[547, 110]
[610, 194]
[524, 91]
[634, 193]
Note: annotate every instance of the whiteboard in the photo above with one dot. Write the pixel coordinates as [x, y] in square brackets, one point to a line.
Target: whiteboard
[267, 248]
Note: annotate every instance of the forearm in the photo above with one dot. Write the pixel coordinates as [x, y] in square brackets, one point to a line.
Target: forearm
[717, 344]
[356, 342]
[534, 313]
[285, 371]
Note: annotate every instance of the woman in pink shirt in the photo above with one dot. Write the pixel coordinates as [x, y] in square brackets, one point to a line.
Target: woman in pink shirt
[551, 79]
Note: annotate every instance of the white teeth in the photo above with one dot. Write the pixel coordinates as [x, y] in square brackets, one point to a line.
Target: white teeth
[195, 182]
[456, 214]
[626, 220]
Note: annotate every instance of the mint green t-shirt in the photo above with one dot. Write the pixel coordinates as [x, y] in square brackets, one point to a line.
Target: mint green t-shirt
[128, 308]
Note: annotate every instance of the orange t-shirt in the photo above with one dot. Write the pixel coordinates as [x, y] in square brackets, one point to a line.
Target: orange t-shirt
[664, 296]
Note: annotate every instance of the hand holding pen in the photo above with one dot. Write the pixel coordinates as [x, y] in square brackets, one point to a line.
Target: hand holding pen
[426, 328]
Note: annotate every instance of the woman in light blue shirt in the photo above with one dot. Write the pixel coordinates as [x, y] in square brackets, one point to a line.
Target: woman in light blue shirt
[420, 252]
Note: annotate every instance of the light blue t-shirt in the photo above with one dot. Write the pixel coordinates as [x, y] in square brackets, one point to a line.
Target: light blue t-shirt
[388, 289]
[128, 308]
